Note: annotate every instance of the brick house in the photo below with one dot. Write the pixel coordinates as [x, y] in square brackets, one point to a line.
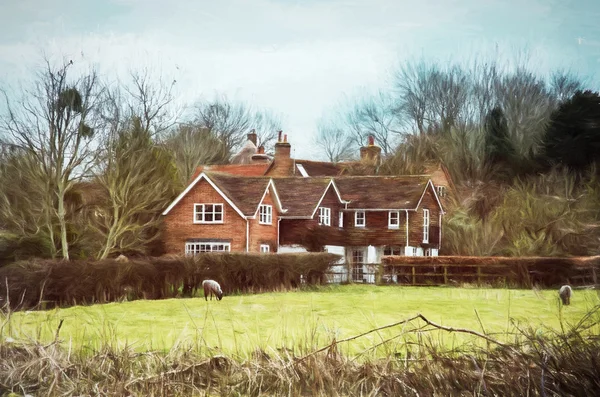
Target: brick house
[361, 218]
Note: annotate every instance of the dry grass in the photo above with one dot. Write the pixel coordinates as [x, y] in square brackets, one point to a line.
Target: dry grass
[565, 363]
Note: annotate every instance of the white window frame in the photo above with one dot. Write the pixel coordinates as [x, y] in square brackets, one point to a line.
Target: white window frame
[325, 216]
[356, 218]
[204, 213]
[265, 248]
[441, 191]
[341, 220]
[265, 214]
[426, 226]
[195, 248]
[392, 225]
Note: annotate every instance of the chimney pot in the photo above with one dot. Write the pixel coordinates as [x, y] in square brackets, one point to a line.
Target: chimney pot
[371, 140]
[261, 149]
[285, 138]
[279, 136]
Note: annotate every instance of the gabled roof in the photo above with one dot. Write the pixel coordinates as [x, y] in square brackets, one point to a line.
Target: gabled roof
[300, 196]
[246, 192]
[192, 184]
[382, 192]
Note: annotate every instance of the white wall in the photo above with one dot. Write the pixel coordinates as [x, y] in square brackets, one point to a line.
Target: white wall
[291, 249]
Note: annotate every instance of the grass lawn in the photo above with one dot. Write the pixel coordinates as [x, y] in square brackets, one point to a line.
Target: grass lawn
[300, 320]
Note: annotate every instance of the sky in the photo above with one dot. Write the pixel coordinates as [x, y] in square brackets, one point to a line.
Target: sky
[299, 59]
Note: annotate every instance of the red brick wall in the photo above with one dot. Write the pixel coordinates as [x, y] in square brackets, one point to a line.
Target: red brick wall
[178, 223]
[264, 234]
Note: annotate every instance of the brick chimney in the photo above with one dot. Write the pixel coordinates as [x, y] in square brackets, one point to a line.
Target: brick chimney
[370, 153]
[252, 137]
[260, 156]
[283, 164]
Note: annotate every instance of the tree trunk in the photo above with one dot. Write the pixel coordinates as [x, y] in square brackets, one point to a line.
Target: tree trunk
[64, 244]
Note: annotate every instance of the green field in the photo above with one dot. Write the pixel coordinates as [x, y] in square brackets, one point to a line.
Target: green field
[300, 320]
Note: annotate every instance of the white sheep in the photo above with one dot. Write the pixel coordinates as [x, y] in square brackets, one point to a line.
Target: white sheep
[565, 292]
[212, 287]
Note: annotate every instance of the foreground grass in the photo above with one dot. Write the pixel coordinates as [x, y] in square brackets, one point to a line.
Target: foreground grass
[301, 321]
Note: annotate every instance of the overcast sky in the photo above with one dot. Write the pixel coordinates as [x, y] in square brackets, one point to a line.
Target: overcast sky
[297, 58]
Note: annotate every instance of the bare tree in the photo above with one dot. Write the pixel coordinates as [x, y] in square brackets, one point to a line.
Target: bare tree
[375, 115]
[139, 179]
[137, 173]
[434, 99]
[54, 123]
[564, 85]
[151, 100]
[26, 209]
[192, 146]
[336, 143]
[230, 122]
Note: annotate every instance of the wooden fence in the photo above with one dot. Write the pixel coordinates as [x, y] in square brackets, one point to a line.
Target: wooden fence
[526, 271]
[451, 270]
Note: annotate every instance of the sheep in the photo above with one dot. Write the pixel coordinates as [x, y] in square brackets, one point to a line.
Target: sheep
[565, 292]
[212, 287]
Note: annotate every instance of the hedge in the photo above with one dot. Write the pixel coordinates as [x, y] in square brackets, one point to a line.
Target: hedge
[57, 282]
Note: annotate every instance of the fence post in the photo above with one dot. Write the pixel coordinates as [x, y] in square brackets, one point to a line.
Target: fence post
[445, 275]
[414, 277]
[479, 275]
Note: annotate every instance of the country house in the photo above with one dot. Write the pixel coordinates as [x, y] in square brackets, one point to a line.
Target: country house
[275, 205]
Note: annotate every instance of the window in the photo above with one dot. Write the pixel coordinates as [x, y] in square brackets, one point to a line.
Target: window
[265, 214]
[391, 250]
[198, 248]
[358, 256]
[359, 219]
[394, 220]
[265, 248]
[341, 220]
[425, 226]
[325, 216]
[208, 213]
[441, 191]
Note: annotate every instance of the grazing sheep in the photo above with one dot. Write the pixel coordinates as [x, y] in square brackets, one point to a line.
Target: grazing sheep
[565, 294]
[212, 287]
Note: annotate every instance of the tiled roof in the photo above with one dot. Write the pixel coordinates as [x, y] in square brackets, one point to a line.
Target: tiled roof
[381, 192]
[245, 192]
[234, 169]
[299, 195]
[320, 168]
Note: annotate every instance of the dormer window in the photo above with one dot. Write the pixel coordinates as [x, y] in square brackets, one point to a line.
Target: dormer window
[265, 214]
[325, 216]
[208, 213]
[394, 220]
[360, 219]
